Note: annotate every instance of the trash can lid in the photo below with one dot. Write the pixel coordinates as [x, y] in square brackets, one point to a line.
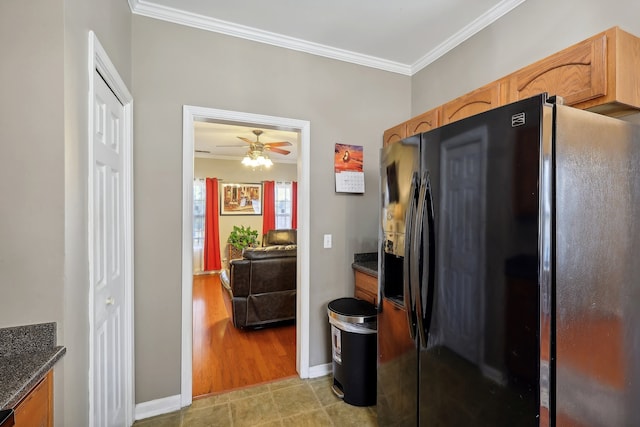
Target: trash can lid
[352, 310]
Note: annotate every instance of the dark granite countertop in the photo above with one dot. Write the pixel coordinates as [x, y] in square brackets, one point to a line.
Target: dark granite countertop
[366, 262]
[27, 353]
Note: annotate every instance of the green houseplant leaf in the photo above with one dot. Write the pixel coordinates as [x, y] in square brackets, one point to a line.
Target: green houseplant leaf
[243, 237]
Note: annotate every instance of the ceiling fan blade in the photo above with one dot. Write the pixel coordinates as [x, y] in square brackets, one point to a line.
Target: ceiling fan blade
[232, 146]
[248, 141]
[279, 150]
[278, 144]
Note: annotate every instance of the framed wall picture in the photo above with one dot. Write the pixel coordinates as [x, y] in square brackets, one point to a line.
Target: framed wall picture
[240, 199]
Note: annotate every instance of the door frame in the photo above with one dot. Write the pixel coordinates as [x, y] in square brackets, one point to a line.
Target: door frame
[100, 62]
[303, 127]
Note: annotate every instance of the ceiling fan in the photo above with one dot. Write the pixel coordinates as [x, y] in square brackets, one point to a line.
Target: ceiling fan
[256, 155]
[257, 148]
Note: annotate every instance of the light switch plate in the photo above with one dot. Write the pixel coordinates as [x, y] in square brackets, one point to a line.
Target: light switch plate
[327, 241]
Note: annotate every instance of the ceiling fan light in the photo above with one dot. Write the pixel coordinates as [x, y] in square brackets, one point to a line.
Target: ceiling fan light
[247, 161]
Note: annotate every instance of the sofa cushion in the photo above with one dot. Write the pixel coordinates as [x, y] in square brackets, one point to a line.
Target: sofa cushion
[269, 275]
[267, 252]
[280, 237]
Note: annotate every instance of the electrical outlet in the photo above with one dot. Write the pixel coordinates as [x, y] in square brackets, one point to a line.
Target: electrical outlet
[327, 241]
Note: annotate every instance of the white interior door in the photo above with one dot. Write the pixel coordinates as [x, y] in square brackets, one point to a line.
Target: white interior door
[109, 316]
[461, 249]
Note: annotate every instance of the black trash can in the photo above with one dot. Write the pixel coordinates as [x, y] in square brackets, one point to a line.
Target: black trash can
[354, 350]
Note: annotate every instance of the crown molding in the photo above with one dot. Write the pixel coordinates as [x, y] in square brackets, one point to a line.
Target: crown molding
[164, 13]
[176, 16]
[480, 23]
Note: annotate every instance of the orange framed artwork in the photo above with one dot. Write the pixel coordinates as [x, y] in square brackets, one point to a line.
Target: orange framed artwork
[240, 199]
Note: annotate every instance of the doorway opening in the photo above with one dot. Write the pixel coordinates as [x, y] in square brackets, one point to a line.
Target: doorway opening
[191, 114]
[240, 342]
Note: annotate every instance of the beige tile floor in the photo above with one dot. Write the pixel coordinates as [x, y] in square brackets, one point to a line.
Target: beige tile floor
[288, 402]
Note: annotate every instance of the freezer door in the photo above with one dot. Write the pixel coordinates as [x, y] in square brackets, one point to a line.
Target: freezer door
[597, 273]
[397, 403]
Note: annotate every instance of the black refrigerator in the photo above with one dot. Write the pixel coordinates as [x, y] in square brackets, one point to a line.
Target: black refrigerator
[509, 289]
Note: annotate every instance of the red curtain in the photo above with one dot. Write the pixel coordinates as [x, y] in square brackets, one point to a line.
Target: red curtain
[212, 228]
[269, 207]
[294, 205]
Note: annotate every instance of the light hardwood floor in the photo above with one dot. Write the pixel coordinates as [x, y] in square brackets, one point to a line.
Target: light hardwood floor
[226, 358]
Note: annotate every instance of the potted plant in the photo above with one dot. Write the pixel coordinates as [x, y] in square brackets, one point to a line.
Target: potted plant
[241, 237]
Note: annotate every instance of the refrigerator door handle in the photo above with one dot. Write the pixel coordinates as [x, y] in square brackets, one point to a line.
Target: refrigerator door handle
[417, 249]
[409, 297]
[425, 296]
[424, 215]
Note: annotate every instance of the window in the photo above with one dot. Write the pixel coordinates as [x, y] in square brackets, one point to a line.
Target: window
[283, 205]
[199, 198]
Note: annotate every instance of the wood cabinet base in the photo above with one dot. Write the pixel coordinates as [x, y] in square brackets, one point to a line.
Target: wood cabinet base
[366, 287]
[36, 409]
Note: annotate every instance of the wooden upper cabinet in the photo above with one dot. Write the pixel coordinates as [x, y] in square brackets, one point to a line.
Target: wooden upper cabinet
[577, 74]
[623, 76]
[394, 134]
[599, 74]
[478, 101]
[424, 122]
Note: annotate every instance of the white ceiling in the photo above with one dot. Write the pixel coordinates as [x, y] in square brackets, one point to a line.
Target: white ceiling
[208, 137]
[401, 36]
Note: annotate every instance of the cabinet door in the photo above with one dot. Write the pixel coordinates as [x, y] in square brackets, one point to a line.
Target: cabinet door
[394, 134]
[424, 122]
[366, 287]
[478, 101]
[577, 74]
[36, 409]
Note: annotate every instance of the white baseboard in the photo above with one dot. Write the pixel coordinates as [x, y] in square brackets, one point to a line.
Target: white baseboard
[157, 407]
[320, 370]
[172, 403]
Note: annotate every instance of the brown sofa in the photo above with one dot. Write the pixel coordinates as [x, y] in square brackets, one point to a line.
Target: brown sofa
[260, 288]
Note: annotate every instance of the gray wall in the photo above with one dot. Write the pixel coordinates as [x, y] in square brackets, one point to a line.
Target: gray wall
[533, 30]
[32, 167]
[31, 162]
[175, 65]
[43, 129]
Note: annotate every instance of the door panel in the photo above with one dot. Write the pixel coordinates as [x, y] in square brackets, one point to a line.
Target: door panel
[461, 252]
[108, 250]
